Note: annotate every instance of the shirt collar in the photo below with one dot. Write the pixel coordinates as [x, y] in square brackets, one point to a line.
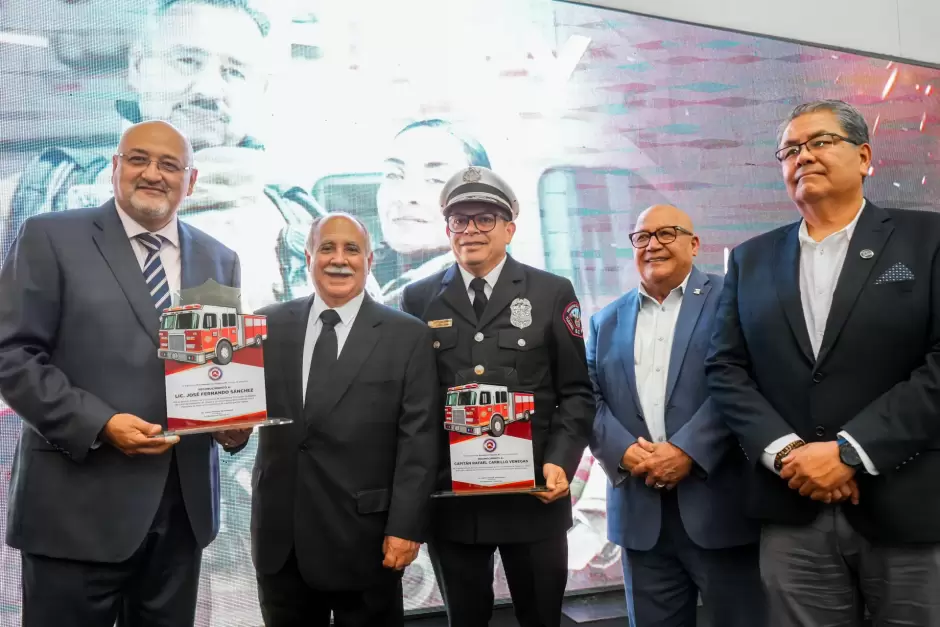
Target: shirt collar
[347, 312]
[170, 232]
[848, 229]
[679, 290]
[490, 278]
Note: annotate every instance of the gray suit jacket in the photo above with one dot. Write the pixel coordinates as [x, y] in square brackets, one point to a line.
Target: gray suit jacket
[78, 344]
[711, 499]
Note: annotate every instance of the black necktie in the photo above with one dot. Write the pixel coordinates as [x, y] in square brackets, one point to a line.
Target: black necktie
[479, 296]
[324, 357]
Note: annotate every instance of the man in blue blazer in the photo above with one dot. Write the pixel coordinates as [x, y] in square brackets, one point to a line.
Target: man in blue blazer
[675, 496]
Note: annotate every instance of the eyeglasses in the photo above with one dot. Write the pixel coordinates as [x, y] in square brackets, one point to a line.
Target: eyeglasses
[485, 222]
[167, 166]
[663, 235]
[815, 145]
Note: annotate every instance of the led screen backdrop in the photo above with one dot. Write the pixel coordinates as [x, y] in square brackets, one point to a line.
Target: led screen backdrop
[298, 108]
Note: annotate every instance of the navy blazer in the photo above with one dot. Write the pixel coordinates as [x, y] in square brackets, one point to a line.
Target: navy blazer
[711, 498]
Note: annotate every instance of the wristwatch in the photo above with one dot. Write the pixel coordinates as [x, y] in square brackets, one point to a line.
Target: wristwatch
[849, 455]
[786, 450]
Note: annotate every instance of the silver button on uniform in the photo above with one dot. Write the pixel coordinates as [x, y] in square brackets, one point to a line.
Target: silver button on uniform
[436, 344]
[478, 337]
[521, 342]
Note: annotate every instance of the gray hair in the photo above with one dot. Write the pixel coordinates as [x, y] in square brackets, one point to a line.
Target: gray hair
[315, 228]
[850, 119]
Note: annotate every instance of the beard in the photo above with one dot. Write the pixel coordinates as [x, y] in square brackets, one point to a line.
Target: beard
[151, 208]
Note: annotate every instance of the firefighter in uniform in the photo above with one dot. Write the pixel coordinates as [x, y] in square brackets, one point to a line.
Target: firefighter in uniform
[496, 320]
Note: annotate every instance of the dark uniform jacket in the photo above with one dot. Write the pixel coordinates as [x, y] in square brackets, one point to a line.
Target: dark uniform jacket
[545, 357]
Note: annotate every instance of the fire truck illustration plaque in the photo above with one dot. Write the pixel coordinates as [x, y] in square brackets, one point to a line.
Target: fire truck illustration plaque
[214, 362]
[490, 432]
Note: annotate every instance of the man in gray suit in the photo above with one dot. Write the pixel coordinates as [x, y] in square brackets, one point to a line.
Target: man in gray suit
[110, 520]
[674, 502]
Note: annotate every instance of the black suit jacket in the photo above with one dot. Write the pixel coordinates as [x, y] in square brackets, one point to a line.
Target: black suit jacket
[355, 466]
[78, 344]
[877, 375]
[547, 358]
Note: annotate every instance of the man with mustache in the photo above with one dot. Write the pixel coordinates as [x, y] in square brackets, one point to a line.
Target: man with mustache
[203, 66]
[110, 518]
[340, 497]
[494, 317]
[825, 363]
[674, 500]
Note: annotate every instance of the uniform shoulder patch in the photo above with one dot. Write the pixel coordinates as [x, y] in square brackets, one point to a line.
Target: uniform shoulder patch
[572, 318]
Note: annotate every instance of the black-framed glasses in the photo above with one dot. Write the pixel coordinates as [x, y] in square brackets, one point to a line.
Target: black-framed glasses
[820, 143]
[485, 222]
[663, 235]
[167, 166]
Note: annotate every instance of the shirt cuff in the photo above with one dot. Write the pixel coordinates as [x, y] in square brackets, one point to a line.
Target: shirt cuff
[866, 460]
[767, 457]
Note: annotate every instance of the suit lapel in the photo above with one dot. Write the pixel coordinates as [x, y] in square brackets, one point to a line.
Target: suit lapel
[626, 330]
[787, 279]
[359, 343]
[193, 258]
[114, 245]
[509, 286]
[454, 292]
[871, 233]
[692, 304]
[295, 335]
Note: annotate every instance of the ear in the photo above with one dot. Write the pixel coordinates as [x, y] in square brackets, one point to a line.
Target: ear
[193, 175]
[864, 165]
[308, 260]
[695, 245]
[510, 231]
[369, 261]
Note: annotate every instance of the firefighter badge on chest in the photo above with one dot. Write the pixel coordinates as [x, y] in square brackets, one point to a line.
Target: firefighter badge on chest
[520, 313]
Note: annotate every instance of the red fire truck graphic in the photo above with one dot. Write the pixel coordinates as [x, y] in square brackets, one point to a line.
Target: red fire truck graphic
[479, 408]
[199, 333]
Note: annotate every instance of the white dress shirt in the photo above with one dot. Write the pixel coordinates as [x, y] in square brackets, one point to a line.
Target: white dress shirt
[347, 315]
[652, 347]
[490, 279]
[820, 266]
[169, 253]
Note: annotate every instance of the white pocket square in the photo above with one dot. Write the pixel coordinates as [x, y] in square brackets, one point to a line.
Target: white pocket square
[895, 274]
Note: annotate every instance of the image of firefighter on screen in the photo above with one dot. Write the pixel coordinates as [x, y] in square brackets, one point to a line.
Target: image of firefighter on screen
[203, 66]
[414, 242]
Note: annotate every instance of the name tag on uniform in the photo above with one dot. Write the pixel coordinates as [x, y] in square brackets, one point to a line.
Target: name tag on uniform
[441, 324]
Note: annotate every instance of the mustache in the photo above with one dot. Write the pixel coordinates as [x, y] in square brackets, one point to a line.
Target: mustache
[340, 270]
[206, 104]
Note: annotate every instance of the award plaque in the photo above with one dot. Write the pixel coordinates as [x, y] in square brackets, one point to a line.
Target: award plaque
[490, 432]
[214, 363]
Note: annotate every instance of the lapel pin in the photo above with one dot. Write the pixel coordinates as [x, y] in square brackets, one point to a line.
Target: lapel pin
[696, 291]
[866, 254]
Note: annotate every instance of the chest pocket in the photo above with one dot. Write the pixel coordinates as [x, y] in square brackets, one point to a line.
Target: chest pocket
[526, 351]
[444, 341]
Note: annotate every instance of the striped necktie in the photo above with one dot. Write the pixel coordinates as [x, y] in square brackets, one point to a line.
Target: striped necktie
[153, 271]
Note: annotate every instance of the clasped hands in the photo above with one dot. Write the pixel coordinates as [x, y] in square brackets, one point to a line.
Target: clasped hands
[817, 471]
[663, 464]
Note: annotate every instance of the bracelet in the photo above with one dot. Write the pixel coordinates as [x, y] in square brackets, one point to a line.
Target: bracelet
[786, 450]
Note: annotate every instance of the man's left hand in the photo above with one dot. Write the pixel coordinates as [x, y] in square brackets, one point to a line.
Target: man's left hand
[556, 481]
[667, 466]
[816, 467]
[232, 438]
[398, 552]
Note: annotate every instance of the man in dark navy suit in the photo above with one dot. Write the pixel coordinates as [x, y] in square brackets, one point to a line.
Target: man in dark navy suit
[826, 365]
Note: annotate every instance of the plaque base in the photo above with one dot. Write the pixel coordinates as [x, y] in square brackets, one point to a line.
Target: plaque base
[225, 426]
[489, 492]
